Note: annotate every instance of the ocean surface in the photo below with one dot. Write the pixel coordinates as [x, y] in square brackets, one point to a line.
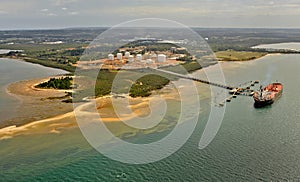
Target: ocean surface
[251, 145]
[12, 71]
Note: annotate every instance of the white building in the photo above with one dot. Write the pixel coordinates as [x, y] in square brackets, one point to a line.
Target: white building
[139, 57]
[161, 58]
[119, 56]
[111, 57]
[130, 58]
[127, 54]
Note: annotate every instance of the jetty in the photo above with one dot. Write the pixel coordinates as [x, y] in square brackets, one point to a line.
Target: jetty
[233, 91]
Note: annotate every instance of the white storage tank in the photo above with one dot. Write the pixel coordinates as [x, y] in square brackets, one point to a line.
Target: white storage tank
[127, 54]
[161, 58]
[119, 56]
[139, 57]
[130, 58]
[111, 57]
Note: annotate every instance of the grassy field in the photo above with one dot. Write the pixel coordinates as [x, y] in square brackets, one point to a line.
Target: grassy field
[231, 55]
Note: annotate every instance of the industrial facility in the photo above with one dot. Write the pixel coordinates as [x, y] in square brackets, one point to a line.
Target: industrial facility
[135, 58]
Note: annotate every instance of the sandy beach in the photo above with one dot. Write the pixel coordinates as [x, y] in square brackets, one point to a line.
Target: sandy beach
[38, 114]
[36, 104]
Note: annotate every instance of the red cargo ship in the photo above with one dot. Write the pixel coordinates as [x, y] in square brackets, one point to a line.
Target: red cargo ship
[269, 94]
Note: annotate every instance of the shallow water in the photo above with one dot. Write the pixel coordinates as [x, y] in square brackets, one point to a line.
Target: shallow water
[287, 46]
[252, 144]
[12, 71]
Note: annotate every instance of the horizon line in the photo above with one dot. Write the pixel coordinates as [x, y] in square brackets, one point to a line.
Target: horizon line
[107, 27]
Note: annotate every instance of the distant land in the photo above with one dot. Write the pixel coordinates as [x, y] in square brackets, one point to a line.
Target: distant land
[63, 48]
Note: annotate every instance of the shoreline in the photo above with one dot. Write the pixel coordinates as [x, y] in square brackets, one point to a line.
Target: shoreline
[35, 104]
[269, 46]
[26, 92]
[63, 118]
[35, 62]
[267, 55]
[239, 56]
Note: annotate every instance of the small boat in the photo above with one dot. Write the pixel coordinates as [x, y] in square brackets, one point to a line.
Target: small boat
[228, 99]
[268, 95]
[221, 104]
[233, 91]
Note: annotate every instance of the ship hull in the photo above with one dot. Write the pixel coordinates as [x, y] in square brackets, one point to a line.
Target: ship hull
[275, 95]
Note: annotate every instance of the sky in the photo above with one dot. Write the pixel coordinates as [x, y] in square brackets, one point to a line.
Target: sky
[44, 14]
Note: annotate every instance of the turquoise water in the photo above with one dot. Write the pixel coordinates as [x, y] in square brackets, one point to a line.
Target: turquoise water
[12, 71]
[251, 145]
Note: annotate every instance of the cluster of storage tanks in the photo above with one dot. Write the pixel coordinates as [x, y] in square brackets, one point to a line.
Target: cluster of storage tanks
[147, 58]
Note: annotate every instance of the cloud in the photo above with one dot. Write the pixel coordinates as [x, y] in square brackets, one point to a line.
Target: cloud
[73, 13]
[16, 6]
[3, 12]
[225, 13]
[44, 10]
[63, 2]
[51, 14]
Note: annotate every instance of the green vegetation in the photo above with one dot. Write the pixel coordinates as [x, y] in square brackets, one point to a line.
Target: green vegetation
[67, 96]
[185, 59]
[230, 45]
[184, 68]
[146, 84]
[61, 56]
[238, 39]
[104, 82]
[142, 87]
[51, 64]
[149, 80]
[153, 46]
[231, 55]
[192, 66]
[57, 83]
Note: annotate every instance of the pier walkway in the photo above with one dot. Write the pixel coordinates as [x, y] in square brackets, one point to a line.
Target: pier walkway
[195, 79]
